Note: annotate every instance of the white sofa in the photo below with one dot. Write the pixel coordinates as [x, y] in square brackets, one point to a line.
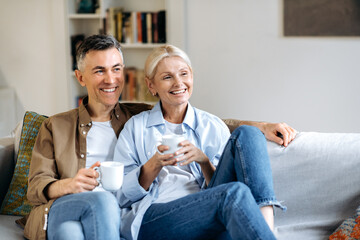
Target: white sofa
[317, 177]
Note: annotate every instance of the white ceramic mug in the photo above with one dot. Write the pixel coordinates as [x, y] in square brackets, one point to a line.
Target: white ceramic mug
[172, 141]
[111, 175]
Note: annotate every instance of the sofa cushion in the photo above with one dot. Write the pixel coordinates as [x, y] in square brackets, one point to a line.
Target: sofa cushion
[15, 202]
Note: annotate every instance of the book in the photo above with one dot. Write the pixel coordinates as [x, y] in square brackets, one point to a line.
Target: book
[139, 27]
[144, 27]
[127, 28]
[155, 26]
[162, 26]
[119, 25]
[134, 28]
[149, 27]
[141, 87]
[76, 40]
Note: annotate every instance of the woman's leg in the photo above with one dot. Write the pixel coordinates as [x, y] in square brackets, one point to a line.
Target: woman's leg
[97, 213]
[206, 215]
[245, 159]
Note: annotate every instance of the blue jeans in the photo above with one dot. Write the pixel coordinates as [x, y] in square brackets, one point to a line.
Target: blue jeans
[88, 215]
[230, 207]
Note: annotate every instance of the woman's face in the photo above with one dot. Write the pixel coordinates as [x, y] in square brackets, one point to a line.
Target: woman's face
[173, 82]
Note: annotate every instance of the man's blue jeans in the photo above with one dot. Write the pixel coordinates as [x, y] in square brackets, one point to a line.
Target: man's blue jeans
[88, 215]
[230, 206]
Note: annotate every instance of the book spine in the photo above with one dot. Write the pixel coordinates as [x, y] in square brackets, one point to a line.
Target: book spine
[134, 27]
[139, 27]
[144, 27]
[162, 26]
[149, 27]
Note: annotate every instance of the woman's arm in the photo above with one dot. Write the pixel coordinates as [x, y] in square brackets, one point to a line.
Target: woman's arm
[150, 170]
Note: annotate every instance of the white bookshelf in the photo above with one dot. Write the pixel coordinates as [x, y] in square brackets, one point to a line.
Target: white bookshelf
[134, 53]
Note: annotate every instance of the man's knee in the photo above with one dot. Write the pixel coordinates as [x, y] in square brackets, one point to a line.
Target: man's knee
[104, 201]
[68, 230]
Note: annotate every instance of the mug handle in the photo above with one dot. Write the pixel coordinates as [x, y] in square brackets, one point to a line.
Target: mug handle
[99, 178]
[157, 149]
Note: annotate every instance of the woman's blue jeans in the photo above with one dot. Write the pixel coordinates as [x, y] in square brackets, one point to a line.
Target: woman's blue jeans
[230, 207]
[88, 215]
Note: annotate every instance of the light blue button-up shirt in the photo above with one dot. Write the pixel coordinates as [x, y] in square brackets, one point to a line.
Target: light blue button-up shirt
[137, 144]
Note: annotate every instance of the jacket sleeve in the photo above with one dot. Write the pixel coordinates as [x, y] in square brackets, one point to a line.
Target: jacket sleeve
[42, 167]
[126, 153]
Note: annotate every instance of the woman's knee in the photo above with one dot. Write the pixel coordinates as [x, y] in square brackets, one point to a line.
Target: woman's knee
[236, 190]
[246, 131]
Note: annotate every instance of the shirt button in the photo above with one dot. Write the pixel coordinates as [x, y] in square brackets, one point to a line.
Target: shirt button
[149, 153]
[82, 125]
[82, 155]
[89, 124]
[84, 132]
[118, 116]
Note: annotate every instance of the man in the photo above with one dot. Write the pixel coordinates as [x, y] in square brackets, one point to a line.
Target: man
[69, 145]
[62, 182]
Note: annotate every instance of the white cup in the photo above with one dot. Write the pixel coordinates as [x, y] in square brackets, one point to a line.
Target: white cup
[111, 175]
[172, 141]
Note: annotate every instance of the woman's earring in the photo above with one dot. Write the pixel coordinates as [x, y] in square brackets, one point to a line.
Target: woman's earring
[154, 94]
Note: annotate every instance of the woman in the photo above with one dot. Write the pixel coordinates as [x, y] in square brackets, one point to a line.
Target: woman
[216, 185]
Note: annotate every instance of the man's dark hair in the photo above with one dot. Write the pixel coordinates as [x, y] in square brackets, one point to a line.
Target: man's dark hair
[95, 42]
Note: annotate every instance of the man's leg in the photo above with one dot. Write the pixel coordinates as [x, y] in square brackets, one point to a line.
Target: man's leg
[206, 215]
[97, 212]
[245, 159]
[68, 230]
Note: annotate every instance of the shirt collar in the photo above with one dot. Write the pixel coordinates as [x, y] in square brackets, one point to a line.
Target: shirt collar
[156, 117]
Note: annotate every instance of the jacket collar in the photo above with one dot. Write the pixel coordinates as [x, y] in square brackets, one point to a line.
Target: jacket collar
[84, 116]
[156, 117]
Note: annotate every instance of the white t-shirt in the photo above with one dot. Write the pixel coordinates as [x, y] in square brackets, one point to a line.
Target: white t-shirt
[175, 181]
[100, 144]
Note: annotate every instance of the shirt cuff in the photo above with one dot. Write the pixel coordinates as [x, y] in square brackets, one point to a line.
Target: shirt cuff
[131, 187]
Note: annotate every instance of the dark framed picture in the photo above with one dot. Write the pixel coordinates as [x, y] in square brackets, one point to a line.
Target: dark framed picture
[322, 17]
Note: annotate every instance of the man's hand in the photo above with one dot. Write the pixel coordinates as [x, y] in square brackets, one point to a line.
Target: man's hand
[281, 133]
[84, 180]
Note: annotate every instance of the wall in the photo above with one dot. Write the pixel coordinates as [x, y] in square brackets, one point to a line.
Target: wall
[244, 68]
[31, 33]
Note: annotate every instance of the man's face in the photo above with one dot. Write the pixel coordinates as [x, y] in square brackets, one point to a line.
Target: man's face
[103, 76]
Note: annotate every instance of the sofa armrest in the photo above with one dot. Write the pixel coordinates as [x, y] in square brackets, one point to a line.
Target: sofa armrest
[7, 165]
[232, 124]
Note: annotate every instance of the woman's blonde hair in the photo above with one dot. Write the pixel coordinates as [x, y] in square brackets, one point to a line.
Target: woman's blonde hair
[159, 54]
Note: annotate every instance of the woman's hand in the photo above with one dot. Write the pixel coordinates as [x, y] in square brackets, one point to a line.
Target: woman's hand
[151, 168]
[189, 153]
[272, 130]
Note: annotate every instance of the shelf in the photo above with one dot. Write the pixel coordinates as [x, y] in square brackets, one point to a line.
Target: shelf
[84, 16]
[141, 45]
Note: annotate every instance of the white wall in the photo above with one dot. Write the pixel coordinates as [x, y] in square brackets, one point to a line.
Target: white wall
[245, 68]
[30, 62]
